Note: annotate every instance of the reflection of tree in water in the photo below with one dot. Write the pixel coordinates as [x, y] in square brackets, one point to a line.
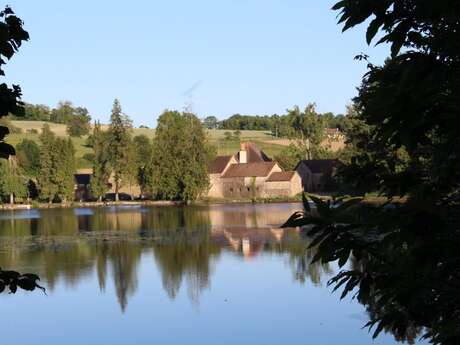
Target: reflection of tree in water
[376, 310]
[70, 246]
[182, 247]
[300, 258]
[124, 259]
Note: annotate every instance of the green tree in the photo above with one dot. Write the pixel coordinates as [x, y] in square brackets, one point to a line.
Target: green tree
[65, 167]
[289, 157]
[101, 164]
[210, 122]
[180, 155]
[308, 129]
[28, 155]
[118, 138]
[46, 181]
[57, 166]
[12, 182]
[79, 125]
[143, 150]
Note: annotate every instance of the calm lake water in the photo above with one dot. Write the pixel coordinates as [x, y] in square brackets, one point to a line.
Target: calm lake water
[218, 274]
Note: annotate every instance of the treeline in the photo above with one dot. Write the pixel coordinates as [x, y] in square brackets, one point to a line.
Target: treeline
[76, 118]
[173, 166]
[278, 125]
[43, 171]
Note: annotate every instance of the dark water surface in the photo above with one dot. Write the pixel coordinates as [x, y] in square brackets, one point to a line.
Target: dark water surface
[219, 274]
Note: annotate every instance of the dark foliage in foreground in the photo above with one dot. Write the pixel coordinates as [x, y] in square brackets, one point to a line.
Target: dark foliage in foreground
[407, 275]
[14, 280]
[406, 261]
[11, 37]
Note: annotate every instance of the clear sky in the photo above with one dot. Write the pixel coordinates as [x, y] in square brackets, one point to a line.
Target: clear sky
[223, 57]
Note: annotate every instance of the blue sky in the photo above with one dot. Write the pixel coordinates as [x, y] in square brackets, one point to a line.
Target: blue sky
[223, 57]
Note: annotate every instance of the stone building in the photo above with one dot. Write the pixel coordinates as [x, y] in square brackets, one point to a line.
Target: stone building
[250, 173]
[317, 174]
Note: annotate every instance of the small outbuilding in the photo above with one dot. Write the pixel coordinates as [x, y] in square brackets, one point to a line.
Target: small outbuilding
[317, 174]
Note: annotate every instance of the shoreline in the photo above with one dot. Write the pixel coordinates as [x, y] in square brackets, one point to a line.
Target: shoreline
[76, 204]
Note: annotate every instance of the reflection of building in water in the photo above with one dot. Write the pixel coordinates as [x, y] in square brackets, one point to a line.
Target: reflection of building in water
[250, 242]
[251, 215]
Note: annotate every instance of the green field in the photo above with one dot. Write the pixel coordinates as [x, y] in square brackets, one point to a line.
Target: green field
[216, 137]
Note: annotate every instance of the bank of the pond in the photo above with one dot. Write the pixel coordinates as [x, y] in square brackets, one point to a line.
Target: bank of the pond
[138, 203]
[369, 199]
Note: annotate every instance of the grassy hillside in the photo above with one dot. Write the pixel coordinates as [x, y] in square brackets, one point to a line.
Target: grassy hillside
[217, 137]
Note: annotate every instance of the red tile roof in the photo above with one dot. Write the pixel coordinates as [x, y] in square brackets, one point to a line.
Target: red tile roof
[260, 169]
[218, 164]
[281, 176]
[253, 154]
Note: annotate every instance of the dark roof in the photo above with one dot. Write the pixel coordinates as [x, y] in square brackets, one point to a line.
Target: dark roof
[218, 164]
[260, 169]
[281, 176]
[83, 179]
[253, 153]
[321, 166]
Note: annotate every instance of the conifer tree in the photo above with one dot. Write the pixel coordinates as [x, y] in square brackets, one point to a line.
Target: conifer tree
[143, 156]
[101, 170]
[46, 180]
[65, 169]
[118, 138]
[12, 182]
[57, 167]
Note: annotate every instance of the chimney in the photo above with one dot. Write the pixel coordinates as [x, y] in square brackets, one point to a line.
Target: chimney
[243, 153]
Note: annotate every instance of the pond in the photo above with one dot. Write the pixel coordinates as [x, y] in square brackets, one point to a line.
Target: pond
[214, 274]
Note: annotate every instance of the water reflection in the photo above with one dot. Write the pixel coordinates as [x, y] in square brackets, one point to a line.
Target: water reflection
[72, 244]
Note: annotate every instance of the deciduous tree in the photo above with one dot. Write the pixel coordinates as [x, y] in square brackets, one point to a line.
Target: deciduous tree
[180, 155]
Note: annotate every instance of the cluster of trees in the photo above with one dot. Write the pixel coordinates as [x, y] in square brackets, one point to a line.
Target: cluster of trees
[278, 125]
[76, 118]
[173, 166]
[44, 171]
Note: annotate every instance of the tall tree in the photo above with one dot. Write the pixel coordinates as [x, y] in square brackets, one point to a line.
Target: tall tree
[117, 140]
[101, 164]
[180, 155]
[28, 155]
[143, 156]
[46, 180]
[57, 166]
[65, 166]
